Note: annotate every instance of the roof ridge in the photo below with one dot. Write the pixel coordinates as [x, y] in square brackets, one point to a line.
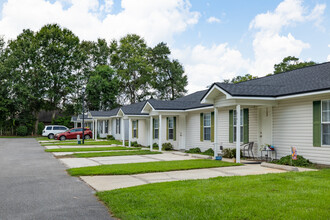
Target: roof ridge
[318, 64]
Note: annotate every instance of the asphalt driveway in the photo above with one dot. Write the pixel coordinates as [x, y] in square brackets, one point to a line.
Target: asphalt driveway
[35, 185]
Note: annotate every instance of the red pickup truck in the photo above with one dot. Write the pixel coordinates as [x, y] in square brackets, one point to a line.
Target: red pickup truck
[73, 133]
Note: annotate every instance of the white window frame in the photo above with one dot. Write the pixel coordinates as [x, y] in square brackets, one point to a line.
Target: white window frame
[156, 128]
[207, 126]
[324, 123]
[134, 124]
[171, 128]
[241, 126]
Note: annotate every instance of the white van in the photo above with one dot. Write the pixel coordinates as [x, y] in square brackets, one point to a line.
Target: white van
[50, 130]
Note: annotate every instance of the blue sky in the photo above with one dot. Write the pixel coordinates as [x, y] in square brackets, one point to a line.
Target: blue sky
[213, 39]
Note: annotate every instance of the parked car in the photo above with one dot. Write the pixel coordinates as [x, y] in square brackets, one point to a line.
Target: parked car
[73, 133]
[50, 130]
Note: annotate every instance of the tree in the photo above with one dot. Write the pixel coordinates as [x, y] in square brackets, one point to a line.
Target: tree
[60, 60]
[130, 58]
[238, 79]
[290, 63]
[168, 78]
[102, 89]
[27, 81]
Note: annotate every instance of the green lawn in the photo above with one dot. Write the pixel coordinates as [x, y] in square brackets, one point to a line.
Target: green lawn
[293, 195]
[116, 153]
[148, 167]
[89, 143]
[89, 149]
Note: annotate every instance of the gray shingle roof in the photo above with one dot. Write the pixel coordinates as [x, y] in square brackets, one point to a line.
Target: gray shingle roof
[74, 118]
[134, 109]
[190, 101]
[303, 80]
[112, 112]
[85, 118]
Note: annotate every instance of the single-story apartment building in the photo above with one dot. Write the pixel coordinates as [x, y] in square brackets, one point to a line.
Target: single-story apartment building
[290, 109]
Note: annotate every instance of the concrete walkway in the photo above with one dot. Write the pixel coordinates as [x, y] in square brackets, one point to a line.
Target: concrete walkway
[103, 183]
[34, 185]
[95, 161]
[78, 146]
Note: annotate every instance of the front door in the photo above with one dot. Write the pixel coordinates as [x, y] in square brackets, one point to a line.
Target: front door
[265, 125]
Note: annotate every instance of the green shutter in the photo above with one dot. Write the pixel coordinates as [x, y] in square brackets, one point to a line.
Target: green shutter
[166, 128]
[317, 123]
[174, 128]
[212, 126]
[246, 125]
[201, 127]
[137, 128]
[231, 126]
[153, 128]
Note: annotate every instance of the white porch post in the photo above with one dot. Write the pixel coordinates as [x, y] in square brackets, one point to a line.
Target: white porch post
[184, 131]
[150, 133]
[74, 124]
[160, 133]
[123, 131]
[129, 132]
[109, 127]
[96, 126]
[238, 133]
[215, 132]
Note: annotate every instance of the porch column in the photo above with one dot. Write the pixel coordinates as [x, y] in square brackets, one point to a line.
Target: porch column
[150, 133]
[129, 132]
[238, 133]
[74, 124]
[123, 131]
[215, 132]
[184, 131]
[160, 133]
[109, 127]
[96, 127]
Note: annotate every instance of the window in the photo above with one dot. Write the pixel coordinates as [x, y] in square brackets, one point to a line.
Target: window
[100, 127]
[117, 125]
[156, 123]
[49, 128]
[241, 125]
[134, 124]
[78, 129]
[106, 126]
[170, 128]
[207, 126]
[325, 122]
[63, 128]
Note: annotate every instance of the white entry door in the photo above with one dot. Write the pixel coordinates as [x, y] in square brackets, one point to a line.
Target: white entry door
[265, 125]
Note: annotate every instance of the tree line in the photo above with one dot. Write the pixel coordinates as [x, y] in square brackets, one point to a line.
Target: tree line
[48, 69]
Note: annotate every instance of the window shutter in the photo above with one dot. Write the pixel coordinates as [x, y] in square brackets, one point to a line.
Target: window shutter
[153, 128]
[317, 123]
[174, 128]
[212, 126]
[201, 127]
[231, 126]
[166, 128]
[137, 128]
[246, 125]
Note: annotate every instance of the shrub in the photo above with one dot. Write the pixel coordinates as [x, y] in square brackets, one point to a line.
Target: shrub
[110, 137]
[194, 150]
[126, 143]
[209, 152]
[300, 162]
[230, 153]
[134, 144]
[22, 130]
[167, 146]
[155, 146]
[41, 127]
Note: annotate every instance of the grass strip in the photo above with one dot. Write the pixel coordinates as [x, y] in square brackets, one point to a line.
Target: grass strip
[89, 143]
[116, 153]
[148, 167]
[90, 149]
[292, 195]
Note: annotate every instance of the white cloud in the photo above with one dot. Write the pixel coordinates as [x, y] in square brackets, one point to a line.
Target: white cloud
[213, 20]
[155, 20]
[205, 66]
[269, 45]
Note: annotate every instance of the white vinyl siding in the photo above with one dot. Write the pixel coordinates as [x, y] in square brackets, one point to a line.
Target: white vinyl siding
[293, 127]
